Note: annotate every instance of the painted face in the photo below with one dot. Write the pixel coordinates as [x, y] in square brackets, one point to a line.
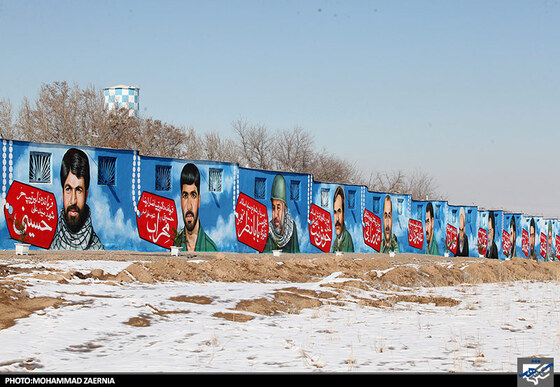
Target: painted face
[461, 226]
[190, 202]
[387, 220]
[278, 215]
[490, 231]
[532, 237]
[512, 236]
[74, 197]
[429, 227]
[338, 215]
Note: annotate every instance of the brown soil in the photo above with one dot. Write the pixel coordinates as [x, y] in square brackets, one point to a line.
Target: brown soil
[359, 271]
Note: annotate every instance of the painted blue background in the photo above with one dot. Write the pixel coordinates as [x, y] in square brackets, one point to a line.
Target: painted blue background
[114, 207]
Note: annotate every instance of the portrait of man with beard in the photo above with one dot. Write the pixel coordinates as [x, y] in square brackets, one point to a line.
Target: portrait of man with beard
[282, 231]
[192, 237]
[389, 243]
[432, 247]
[74, 230]
[343, 240]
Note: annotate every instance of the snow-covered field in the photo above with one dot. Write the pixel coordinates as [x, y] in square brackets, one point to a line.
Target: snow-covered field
[492, 326]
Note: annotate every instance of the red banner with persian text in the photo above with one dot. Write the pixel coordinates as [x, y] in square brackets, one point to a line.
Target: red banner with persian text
[415, 233]
[544, 244]
[157, 222]
[31, 214]
[525, 242]
[482, 241]
[451, 238]
[320, 228]
[372, 230]
[251, 222]
[506, 243]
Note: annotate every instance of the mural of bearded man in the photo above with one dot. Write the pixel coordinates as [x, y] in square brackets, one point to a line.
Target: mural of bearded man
[74, 230]
[343, 240]
[282, 232]
[389, 243]
[192, 237]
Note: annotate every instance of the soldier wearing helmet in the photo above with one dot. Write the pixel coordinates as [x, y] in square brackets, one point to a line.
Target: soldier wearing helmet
[282, 234]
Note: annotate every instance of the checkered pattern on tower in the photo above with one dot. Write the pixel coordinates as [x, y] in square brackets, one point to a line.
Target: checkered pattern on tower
[117, 97]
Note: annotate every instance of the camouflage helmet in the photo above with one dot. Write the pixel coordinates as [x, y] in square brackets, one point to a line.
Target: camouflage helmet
[278, 189]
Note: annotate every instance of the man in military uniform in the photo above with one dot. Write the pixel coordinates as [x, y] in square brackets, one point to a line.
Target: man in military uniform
[532, 238]
[432, 247]
[74, 230]
[512, 238]
[462, 239]
[192, 237]
[389, 243]
[550, 251]
[282, 233]
[343, 240]
[492, 249]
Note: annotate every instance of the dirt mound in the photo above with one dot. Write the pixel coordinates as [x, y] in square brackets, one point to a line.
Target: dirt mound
[374, 272]
[352, 272]
[16, 303]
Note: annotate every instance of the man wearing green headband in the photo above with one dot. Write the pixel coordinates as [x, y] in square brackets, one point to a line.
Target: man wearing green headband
[282, 233]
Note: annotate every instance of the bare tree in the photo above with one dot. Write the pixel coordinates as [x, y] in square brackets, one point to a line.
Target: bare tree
[294, 151]
[422, 186]
[157, 138]
[6, 120]
[255, 144]
[418, 184]
[390, 182]
[219, 149]
[330, 168]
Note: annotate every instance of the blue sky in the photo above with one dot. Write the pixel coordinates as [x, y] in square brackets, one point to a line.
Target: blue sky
[468, 91]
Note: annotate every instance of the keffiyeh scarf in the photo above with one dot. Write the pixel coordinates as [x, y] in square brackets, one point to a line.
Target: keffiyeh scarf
[282, 240]
[84, 239]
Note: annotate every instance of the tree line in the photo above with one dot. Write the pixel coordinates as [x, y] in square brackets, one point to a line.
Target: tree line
[72, 115]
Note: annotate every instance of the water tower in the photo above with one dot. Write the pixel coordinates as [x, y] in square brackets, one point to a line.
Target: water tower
[122, 96]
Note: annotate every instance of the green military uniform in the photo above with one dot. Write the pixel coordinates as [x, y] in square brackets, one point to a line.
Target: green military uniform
[288, 241]
[343, 242]
[203, 241]
[291, 247]
[433, 248]
[391, 247]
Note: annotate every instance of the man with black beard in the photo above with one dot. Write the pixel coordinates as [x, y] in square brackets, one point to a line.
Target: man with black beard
[282, 232]
[74, 230]
[532, 238]
[192, 237]
[512, 238]
[343, 240]
[492, 249]
[389, 242]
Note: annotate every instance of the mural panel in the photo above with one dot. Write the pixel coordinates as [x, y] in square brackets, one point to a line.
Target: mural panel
[433, 215]
[83, 198]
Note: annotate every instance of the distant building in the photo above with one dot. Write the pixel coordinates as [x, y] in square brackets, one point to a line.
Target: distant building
[122, 96]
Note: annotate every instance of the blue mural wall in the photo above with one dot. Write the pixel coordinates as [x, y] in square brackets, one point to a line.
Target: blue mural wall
[394, 213]
[259, 185]
[464, 220]
[62, 197]
[512, 225]
[346, 220]
[435, 228]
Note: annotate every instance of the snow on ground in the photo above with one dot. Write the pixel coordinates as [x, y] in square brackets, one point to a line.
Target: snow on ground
[492, 326]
